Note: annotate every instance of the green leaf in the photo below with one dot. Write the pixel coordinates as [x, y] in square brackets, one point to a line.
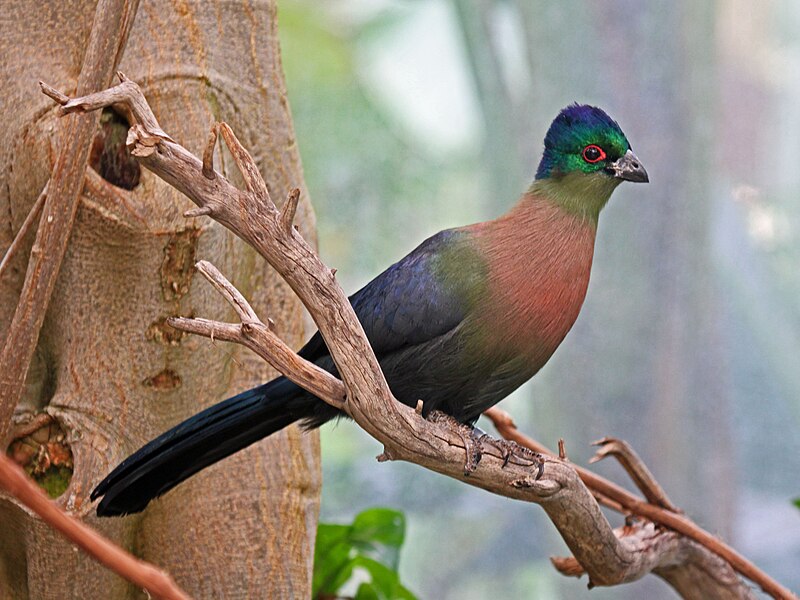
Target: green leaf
[379, 534]
[365, 554]
[331, 557]
[797, 502]
[329, 535]
[384, 584]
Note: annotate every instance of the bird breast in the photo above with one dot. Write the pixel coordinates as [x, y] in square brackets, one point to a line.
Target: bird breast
[539, 273]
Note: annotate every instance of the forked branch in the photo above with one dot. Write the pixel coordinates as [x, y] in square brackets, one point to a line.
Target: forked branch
[362, 392]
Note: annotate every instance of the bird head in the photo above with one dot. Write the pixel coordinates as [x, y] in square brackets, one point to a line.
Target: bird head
[586, 155]
[584, 139]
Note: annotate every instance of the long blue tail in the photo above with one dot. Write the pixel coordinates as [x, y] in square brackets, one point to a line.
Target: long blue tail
[200, 441]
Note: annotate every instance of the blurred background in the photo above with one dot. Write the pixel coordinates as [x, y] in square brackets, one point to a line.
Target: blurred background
[415, 116]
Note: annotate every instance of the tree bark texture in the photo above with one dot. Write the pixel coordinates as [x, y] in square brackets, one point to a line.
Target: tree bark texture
[106, 367]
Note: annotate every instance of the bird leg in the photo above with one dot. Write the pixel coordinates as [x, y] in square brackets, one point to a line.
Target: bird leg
[468, 435]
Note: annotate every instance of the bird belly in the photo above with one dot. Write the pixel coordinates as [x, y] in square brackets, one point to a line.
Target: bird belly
[446, 373]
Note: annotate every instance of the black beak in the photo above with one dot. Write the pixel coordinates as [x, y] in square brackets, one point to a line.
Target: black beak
[629, 168]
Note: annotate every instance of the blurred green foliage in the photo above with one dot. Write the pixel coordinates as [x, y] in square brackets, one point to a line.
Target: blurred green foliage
[361, 560]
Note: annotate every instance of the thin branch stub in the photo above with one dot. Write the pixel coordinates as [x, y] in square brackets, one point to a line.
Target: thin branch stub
[384, 456]
[208, 153]
[247, 166]
[200, 211]
[53, 93]
[562, 449]
[288, 210]
[228, 291]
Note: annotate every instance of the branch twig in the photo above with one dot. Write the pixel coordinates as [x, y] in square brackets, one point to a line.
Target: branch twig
[259, 337]
[140, 573]
[636, 469]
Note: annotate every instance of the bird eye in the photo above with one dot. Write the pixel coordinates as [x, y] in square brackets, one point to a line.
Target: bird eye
[593, 153]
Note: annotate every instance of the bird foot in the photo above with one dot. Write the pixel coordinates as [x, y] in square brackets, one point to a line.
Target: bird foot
[510, 448]
[476, 441]
[471, 440]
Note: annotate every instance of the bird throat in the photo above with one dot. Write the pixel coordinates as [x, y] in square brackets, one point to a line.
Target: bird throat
[578, 193]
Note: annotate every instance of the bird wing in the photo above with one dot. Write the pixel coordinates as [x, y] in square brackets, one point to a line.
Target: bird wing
[410, 303]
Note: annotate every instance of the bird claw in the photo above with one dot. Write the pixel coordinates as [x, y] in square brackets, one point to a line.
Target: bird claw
[505, 448]
[472, 442]
[510, 448]
[475, 441]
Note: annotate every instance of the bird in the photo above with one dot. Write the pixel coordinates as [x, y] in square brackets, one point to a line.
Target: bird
[460, 322]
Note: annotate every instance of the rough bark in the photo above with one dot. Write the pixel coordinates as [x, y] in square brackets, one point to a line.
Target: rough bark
[105, 366]
[156, 583]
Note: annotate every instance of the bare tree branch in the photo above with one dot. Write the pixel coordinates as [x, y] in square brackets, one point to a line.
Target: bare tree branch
[613, 496]
[259, 337]
[608, 559]
[289, 209]
[692, 570]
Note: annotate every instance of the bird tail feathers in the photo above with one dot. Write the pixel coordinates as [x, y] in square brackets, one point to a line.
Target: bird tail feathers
[198, 442]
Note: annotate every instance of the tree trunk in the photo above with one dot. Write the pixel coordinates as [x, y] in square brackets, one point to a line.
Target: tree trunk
[106, 367]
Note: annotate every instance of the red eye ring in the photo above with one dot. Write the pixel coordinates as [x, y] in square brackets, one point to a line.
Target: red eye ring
[593, 154]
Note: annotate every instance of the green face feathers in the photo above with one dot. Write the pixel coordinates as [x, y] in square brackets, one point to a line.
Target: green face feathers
[582, 138]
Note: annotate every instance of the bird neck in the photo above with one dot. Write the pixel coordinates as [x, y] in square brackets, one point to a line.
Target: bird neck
[580, 194]
[543, 219]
